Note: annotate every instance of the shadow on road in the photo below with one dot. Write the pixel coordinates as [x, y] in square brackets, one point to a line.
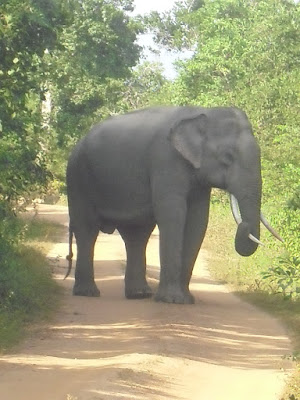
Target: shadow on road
[132, 349]
[208, 331]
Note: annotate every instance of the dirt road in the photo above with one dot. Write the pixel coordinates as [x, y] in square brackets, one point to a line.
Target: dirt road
[112, 348]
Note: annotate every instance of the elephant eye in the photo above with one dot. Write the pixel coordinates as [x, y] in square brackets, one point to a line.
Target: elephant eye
[227, 158]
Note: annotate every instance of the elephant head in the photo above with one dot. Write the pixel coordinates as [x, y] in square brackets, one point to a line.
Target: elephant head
[220, 145]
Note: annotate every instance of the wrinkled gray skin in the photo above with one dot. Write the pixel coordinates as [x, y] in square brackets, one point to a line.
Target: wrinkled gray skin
[157, 166]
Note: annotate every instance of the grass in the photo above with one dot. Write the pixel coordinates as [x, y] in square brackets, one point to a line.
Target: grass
[27, 292]
[42, 234]
[245, 277]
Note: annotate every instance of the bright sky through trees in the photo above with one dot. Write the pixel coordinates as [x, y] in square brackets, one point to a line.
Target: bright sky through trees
[167, 58]
[143, 7]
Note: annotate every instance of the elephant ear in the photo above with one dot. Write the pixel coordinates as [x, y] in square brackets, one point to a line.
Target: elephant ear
[188, 136]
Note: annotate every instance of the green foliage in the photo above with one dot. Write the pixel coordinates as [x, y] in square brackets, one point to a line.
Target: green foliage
[172, 29]
[27, 291]
[96, 53]
[26, 31]
[141, 89]
[286, 275]
[60, 64]
[19, 291]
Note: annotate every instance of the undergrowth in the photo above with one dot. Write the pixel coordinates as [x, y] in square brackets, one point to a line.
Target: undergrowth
[27, 291]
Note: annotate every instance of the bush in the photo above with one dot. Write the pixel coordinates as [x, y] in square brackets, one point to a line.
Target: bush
[286, 274]
[27, 291]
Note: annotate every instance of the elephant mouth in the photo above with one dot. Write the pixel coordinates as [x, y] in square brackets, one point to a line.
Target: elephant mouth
[244, 228]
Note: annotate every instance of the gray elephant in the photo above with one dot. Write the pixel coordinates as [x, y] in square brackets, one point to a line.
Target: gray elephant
[157, 166]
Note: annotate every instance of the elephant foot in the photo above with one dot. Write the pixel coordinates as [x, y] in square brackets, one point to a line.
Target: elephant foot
[86, 289]
[138, 292]
[174, 295]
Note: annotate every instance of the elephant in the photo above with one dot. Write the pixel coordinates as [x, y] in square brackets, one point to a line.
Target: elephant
[157, 166]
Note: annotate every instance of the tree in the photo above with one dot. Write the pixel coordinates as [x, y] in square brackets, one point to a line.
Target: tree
[69, 55]
[74, 50]
[26, 31]
[142, 89]
[174, 29]
[97, 49]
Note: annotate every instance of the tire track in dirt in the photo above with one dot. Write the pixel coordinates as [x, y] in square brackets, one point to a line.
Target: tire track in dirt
[112, 348]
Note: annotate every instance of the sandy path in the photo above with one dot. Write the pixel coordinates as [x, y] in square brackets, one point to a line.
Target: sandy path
[112, 348]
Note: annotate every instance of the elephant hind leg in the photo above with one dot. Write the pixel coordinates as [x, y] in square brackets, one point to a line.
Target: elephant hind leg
[84, 274]
[136, 239]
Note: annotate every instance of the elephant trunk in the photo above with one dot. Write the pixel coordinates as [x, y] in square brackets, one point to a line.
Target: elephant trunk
[249, 225]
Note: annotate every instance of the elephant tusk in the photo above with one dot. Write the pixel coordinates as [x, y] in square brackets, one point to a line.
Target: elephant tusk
[254, 239]
[236, 215]
[270, 229]
[235, 209]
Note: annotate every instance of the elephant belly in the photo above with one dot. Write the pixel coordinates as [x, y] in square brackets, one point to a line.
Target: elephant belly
[119, 204]
[109, 219]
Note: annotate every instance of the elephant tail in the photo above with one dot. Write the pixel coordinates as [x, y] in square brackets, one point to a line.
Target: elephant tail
[70, 255]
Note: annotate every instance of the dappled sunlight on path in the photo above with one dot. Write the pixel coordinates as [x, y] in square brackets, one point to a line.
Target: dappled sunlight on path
[111, 348]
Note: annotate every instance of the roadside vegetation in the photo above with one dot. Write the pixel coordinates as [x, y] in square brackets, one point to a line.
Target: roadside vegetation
[27, 291]
[66, 65]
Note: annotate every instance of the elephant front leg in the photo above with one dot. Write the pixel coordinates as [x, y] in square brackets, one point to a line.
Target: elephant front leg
[171, 217]
[84, 272]
[136, 238]
[195, 228]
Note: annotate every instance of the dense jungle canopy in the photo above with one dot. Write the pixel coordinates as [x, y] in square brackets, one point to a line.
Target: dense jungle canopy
[66, 64]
